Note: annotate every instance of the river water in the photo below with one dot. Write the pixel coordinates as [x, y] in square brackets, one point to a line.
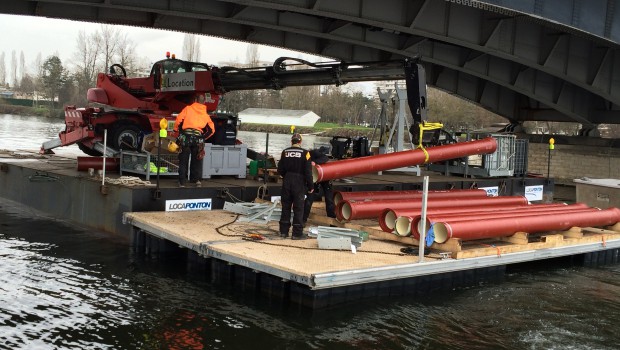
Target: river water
[66, 287]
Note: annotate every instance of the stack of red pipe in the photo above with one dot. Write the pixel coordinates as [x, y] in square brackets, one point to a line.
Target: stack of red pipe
[351, 210]
[507, 226]
[389, 216]
[529, 210]
[466, 214]
[340, 196]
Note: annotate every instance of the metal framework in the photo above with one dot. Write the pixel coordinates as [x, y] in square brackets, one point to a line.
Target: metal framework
[522, 59]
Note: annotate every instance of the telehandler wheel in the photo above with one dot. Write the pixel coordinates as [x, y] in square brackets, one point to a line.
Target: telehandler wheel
[126, 137]
[89, 151]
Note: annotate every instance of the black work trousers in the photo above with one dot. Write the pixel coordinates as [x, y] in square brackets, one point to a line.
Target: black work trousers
[328, 195]
[195, 172]
[292, 197]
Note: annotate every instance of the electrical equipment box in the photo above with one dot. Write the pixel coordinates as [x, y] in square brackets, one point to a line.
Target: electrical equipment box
[225, 129]
[341, 147]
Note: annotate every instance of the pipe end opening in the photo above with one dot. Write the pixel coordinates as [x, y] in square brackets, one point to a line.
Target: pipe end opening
[337, 195]
[403, 226]
[417, 224]
[346, 211]
[315, 174]
[390, 220]
[442, 232]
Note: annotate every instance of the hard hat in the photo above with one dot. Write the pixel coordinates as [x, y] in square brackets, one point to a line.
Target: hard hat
[163, 123]
[173, 147]
[296, 138]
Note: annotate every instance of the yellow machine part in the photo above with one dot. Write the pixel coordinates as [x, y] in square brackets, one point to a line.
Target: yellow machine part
[151, 142]
[426, 126]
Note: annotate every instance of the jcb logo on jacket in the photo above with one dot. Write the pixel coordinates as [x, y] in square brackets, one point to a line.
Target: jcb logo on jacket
[293, 154]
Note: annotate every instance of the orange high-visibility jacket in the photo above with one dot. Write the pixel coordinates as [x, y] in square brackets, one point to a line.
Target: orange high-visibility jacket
[195, 116]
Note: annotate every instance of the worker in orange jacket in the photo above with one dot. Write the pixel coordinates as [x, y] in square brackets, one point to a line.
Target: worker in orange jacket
[194, 126]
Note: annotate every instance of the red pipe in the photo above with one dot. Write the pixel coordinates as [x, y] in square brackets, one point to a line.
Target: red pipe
[490, 228]
[349, 210]
[524, 211]
[111, 164]
[357, 166]
[412, 194]
[387, 216]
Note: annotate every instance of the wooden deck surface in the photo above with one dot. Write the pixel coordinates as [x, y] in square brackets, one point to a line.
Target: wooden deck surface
[219, 230]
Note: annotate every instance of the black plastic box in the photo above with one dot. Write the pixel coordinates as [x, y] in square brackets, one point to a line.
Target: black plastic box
[225, 130]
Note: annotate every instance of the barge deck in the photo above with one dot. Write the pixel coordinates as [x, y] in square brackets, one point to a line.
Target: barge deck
[317, 278]
[292, 271]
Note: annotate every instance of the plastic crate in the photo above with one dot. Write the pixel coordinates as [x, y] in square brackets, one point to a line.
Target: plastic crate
[147, 163]
[225, 160]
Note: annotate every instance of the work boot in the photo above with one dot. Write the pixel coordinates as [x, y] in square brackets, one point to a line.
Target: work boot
[299, 238]
[283, 236]
[198, 183]
[181, 184]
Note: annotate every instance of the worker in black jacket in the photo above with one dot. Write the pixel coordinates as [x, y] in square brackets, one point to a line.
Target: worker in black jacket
[319, 156]
[295, 168]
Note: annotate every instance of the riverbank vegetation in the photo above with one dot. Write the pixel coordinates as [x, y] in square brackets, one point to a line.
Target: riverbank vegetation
[42, 111]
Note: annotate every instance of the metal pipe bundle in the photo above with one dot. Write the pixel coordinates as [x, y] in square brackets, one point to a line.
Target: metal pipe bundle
[388, 217]
[499, 227]
[339, 196]
[350, 210]
[370, 164]
[416, 224]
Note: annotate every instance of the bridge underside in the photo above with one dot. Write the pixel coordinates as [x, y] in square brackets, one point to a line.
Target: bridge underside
[549, 60]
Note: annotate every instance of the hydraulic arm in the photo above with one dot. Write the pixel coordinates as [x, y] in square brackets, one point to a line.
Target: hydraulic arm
[281, 74]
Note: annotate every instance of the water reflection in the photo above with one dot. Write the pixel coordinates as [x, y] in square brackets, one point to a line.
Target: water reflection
[29, 132]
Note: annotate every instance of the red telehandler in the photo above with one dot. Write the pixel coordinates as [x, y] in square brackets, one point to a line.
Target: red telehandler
[131, 108]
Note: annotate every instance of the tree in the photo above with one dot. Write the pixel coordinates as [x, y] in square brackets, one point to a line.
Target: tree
[22, 66]
[14, 81]
[252, 56]
[458, 114]
[27, 85]
[126, 52]
[38, 64]
[109, 39]
[86, 60]
[331, 107]
[54, 77]
[191, 47]
[66, 91]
